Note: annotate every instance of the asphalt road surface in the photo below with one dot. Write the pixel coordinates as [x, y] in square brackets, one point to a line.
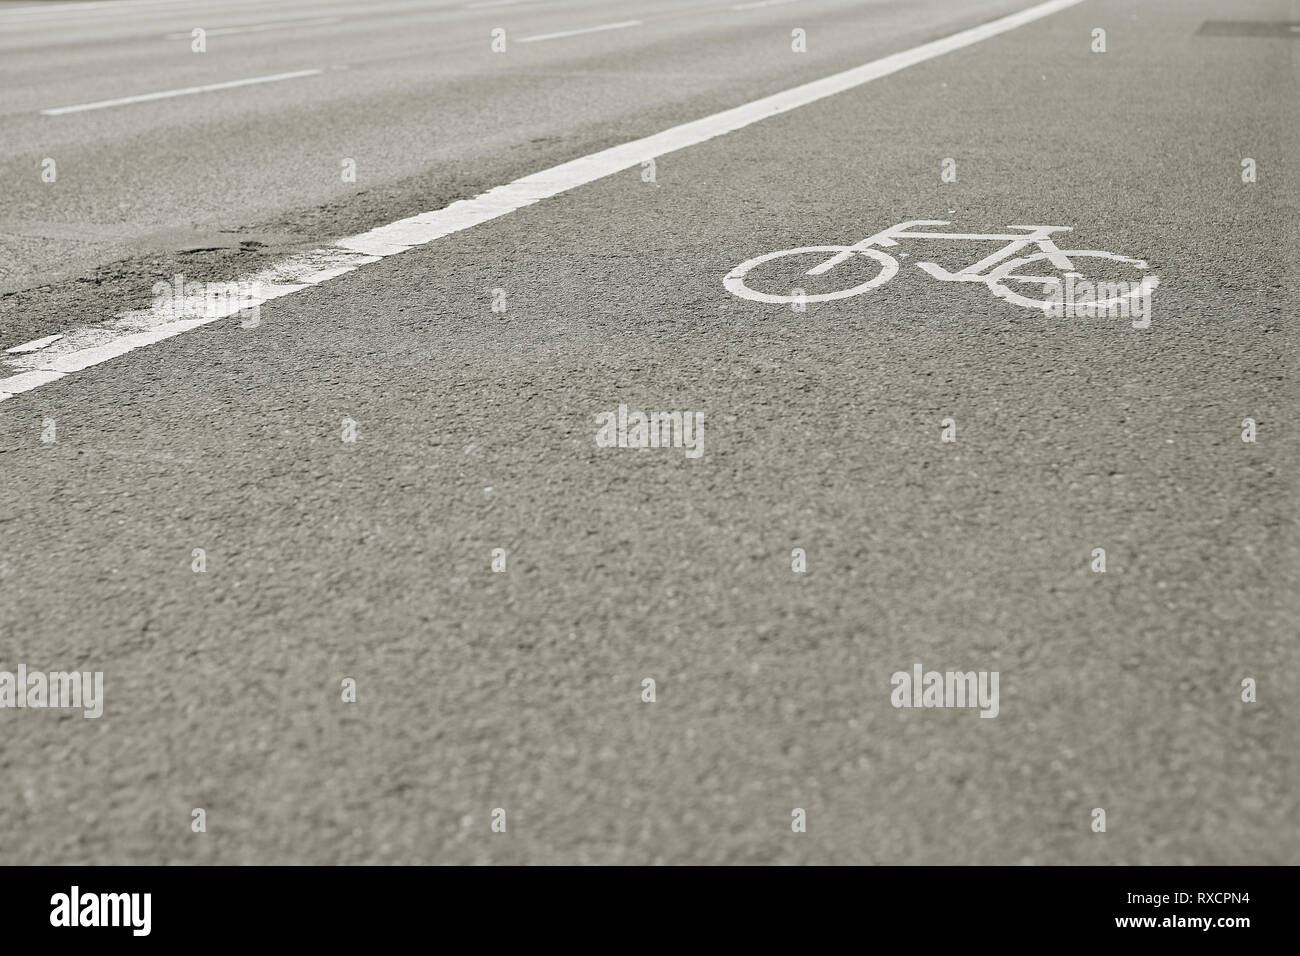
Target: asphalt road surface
[393, 478]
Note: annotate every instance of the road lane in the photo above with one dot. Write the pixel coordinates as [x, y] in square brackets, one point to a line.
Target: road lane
[475, 431]
[425, 116]
[186, 310]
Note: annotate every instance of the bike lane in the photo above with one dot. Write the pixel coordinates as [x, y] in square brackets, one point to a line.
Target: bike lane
[477, 430]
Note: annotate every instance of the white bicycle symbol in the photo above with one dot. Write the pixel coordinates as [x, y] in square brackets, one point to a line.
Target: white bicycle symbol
[1002, 275]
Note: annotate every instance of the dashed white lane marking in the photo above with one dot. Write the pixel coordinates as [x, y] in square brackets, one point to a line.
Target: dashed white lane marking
[84, 347]
[256, 28]
[78, 7]
[622, 24]
[185, 91]
[75, 12]
[760, 3]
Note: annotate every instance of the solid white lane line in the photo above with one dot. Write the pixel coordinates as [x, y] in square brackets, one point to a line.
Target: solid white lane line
[34, 345]
[573, 33]
[84, 347]
[186, 91]
[255, 28]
